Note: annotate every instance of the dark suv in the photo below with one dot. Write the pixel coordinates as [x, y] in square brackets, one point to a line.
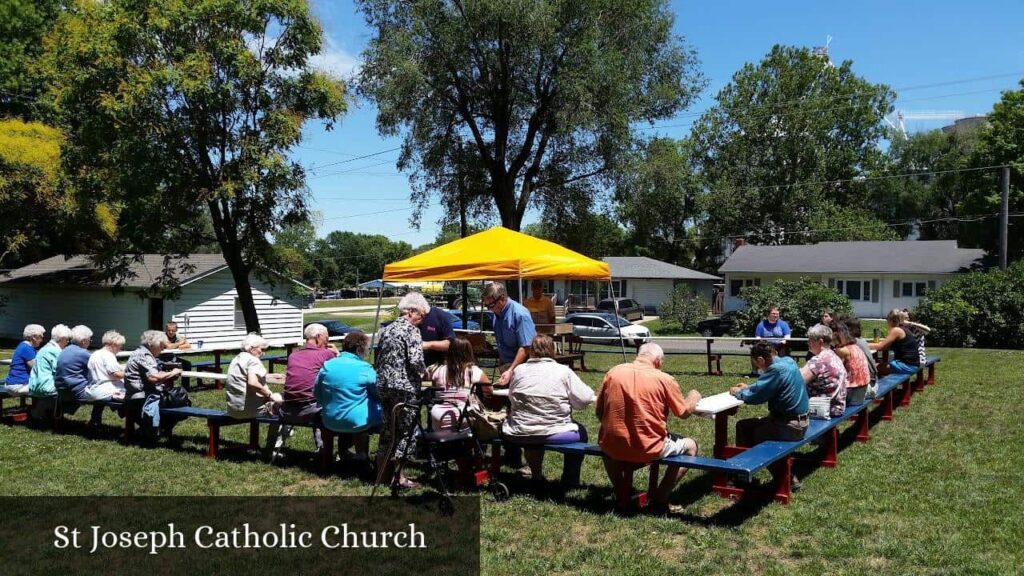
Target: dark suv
[717, 326]
[628, 308]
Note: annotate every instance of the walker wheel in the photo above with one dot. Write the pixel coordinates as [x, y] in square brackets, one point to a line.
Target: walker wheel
[446, 506]
[500, 492]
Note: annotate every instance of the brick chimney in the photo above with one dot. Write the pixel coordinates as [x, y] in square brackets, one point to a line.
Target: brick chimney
[739, 242]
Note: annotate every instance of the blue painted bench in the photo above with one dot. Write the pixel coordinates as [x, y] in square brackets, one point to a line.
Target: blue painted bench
[777, 456]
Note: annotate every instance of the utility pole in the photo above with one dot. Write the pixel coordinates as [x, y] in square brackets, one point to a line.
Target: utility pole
[1004, 218]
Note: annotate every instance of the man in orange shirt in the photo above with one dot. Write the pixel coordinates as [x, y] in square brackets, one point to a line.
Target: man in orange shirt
[633, 407]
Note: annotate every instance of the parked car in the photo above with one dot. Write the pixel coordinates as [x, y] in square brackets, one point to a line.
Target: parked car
[456, 318]
[334, 327]
[603, 328]
[474, 319]
[717, 326]
[628, 308]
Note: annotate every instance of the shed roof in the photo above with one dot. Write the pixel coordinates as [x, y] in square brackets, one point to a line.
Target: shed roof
[144, 273]
[913, 257]
[644, 267]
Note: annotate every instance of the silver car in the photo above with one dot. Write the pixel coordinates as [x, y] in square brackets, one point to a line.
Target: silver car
[600, 328]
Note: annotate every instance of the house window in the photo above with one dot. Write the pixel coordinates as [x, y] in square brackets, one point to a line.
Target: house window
[239, 317]
[738, 284]
[908, 290]
[919, 288]
[854, 289]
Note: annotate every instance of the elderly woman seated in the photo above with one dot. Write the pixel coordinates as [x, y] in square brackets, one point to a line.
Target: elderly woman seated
[143, 379]
[23, 359]
[72, 376]
[346, 390]
[543, 394]
[247, 392]
[105, 372]
[41, 384]
[824, 374]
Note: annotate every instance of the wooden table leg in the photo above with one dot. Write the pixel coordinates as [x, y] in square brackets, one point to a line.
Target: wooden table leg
[931, 374]
[213, 438]
[326, 451]
[254, 435]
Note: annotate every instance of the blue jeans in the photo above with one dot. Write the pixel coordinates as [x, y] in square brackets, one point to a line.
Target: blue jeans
[897, 367]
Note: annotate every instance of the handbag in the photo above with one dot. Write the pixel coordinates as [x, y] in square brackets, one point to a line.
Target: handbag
[175, 397]
[486, 423]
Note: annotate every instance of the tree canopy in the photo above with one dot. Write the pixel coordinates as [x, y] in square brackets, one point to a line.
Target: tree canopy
[23, 25]
[785, 136]
[179, 115]
[32, 198]
[536, 95]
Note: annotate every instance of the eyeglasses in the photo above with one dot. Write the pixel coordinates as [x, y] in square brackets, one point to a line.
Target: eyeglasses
[490, 304]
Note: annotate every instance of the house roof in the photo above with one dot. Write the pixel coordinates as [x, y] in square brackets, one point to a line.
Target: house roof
[79, 271]
[643, 267]
[914, 257]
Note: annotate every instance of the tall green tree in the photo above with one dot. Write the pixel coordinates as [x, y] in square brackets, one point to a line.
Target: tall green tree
[778, 132]
[342, 259]
[578, 228]
[658, 199]
[1002, 143]
[33, 199]
[544, 93]
[23, 25]
[179, 111]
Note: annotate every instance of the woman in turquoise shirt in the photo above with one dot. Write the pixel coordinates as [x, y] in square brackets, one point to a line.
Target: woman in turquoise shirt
[346, 390]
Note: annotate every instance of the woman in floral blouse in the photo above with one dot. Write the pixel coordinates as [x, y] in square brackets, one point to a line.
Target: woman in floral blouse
[825, 374]
[400, 368]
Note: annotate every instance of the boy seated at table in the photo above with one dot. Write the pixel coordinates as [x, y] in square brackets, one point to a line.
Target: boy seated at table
[782, 387]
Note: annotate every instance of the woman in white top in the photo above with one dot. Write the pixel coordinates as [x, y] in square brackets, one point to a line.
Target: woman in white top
[542, 395]
[105, 372]
[247, 392]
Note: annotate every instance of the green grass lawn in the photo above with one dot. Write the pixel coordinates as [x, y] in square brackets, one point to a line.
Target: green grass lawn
[364, 323]
[353, 302]
[934, 491]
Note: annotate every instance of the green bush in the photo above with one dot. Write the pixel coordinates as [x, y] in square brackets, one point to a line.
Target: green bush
[979, 309]
[683, 309]
[800, 303]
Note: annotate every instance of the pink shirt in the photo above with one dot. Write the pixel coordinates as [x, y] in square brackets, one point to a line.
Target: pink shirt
[303, 366]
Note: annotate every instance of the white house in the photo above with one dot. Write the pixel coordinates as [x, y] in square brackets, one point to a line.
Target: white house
[875, 276]
[646, 280]
[70, 291]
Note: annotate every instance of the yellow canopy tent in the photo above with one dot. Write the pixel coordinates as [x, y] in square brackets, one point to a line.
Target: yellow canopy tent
[497, 254]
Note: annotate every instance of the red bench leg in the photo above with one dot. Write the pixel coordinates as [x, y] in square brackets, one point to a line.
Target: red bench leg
[863, 426]
[327, 452]
[213, 439]
[831, 446]
[254, 435]
[782, 471]
[919, 381]
[931, 374]
[908, 392]
[887, 406]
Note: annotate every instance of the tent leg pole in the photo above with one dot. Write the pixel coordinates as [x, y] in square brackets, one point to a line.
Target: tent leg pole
[376, 319]
[615, 304]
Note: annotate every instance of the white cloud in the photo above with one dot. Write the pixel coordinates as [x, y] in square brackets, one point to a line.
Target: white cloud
[336, 61]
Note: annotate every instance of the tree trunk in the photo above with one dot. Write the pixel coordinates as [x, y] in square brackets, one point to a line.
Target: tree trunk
[224, 229]
[240, 273]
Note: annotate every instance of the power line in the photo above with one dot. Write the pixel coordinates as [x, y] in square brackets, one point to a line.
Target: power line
[371, 155]
[351, 170]
[369, 214]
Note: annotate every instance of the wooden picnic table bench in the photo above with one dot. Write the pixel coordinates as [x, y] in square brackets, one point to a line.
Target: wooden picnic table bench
[743, 463]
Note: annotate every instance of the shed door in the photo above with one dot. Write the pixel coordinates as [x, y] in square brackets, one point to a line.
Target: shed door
[156, 314]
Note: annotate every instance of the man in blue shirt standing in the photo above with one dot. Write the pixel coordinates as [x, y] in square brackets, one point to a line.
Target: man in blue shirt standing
[513, 328]
[437, 332]
[782, 387]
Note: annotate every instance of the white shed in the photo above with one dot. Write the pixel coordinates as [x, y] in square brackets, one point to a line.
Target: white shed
[70, 291]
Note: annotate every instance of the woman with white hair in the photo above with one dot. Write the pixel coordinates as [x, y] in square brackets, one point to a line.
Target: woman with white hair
[72, 377]
[143, 376]
[105, 371]
[247, 392]
[40, 380]
[400, 368]
[824, 374]
[23, 359]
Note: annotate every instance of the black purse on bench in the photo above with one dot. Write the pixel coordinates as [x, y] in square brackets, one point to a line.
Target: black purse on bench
[176, 397]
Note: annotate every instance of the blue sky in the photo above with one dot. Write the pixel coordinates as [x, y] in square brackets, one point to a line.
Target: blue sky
[939, 56]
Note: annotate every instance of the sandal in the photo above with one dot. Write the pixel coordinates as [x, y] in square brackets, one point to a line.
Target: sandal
[407, 484]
